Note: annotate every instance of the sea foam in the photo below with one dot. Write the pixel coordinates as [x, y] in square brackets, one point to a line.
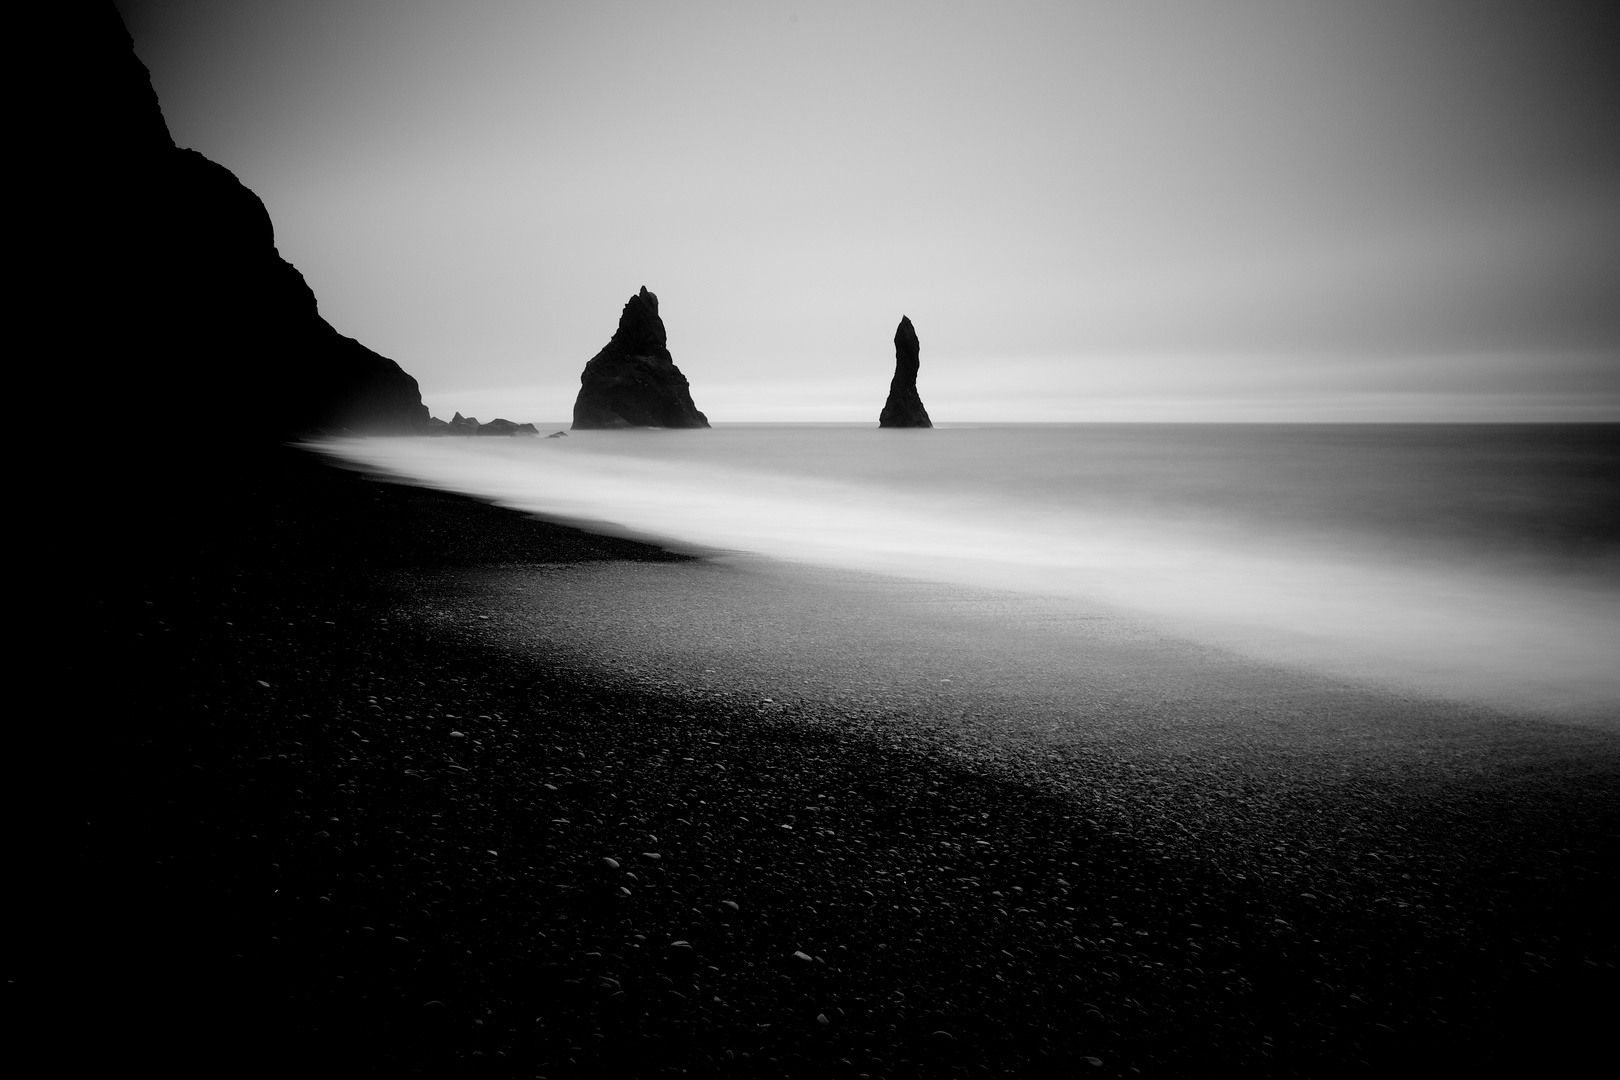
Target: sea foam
[1464, 563]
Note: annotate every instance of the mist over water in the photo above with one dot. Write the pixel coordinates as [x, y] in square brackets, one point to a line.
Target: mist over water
[1480, 563]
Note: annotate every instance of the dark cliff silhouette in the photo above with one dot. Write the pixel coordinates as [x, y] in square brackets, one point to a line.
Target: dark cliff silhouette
[182, 314]
[904, 408]
[633, 381]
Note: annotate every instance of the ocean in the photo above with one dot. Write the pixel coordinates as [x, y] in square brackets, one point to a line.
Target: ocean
[1477, 563]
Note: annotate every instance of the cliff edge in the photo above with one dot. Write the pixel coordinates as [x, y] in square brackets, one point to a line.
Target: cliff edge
[187, 317]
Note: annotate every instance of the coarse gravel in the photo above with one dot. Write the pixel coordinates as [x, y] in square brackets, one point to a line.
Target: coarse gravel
[351, 811]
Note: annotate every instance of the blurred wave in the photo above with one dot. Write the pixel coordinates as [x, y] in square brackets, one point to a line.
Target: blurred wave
[1473, 562]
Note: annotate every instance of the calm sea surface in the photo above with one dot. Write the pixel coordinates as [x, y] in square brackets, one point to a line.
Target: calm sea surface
[1473, 562]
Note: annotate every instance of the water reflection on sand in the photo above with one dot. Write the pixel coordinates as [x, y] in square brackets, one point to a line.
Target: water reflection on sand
[1471, 563]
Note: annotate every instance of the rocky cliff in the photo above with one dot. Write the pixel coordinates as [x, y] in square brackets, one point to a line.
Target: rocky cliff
[185, 311]
[633, 381]
[904, 408]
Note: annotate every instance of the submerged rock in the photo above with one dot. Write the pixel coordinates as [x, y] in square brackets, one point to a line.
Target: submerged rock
[634, 382]
[499, 426]
[904, 408]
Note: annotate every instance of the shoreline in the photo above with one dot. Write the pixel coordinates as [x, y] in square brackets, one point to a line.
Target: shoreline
[1439, 619]
[1217, 959]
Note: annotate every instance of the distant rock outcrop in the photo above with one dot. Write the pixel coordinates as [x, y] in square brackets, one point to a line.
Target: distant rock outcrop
[184, 307]
[904, 408]
[634, 382]
[469, 425]
[498, 426]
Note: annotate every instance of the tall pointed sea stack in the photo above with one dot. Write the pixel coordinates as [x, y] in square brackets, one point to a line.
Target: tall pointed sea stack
[904, 408]
[634, 382]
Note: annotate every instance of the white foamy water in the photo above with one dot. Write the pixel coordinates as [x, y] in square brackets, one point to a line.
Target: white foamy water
[1469, 563]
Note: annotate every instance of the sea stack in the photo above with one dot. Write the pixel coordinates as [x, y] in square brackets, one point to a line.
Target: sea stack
[904, 408]
[633, 381]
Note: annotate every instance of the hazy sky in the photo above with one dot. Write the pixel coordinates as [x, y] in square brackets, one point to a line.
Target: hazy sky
[1125, 209]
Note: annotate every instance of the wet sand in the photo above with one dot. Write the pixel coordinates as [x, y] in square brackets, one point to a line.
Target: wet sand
[377, 744]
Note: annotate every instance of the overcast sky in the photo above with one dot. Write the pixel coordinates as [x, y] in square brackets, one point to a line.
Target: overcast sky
[1125, 209]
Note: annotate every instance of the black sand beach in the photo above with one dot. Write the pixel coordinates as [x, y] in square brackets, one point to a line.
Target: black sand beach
[382, 780]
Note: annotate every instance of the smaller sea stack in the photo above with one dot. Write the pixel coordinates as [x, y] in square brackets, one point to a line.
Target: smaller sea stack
[904, 408]
[634, 382]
